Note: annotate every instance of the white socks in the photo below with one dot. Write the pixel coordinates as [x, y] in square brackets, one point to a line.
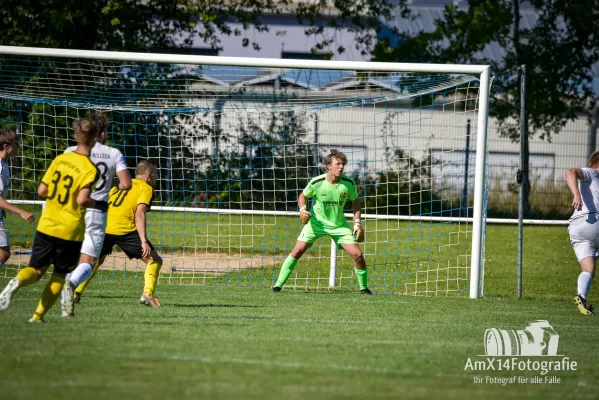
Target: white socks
[80, 274]
[584, 283]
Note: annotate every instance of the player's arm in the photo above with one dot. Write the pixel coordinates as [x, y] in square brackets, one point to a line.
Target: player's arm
[84, 199]
[124, 180]
[140, 224]
[358, 229]
[303, 213]
[42, 190]
[573, 175]
[6, 206]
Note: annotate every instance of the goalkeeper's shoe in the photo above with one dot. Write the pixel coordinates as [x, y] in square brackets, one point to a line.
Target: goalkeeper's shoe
[68, 303]
[276, 289]
[6, 295]
[584, 307]
[366, 291]
[149, 301]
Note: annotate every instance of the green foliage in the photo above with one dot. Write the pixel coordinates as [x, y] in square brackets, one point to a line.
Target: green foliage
[558, 51]
[173, 25]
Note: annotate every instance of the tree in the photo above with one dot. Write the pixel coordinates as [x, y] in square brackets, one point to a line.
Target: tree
[559, 52]
[168, 25]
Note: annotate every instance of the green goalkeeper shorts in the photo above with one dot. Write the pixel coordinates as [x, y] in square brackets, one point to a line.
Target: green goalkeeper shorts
[314, 230]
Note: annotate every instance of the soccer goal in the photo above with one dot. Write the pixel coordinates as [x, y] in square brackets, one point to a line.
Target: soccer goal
[237, 139]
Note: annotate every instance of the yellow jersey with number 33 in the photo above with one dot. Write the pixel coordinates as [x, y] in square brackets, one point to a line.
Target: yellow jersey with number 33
[62, 217]
[122, 205]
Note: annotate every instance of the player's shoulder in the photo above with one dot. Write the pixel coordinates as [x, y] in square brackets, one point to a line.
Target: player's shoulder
[318, 179]
[70, 149]
[141, 185]
[347, 180]
[81, 161]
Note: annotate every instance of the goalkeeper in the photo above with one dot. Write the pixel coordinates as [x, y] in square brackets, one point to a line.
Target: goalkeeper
[330, 192]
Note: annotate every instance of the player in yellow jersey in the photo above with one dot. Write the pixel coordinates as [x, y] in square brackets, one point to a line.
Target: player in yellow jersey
[66, 185]
[126, 228]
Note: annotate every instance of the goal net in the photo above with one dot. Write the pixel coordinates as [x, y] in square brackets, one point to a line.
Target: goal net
[236, 141]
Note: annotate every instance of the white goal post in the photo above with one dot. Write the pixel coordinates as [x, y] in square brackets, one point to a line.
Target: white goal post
[393, 106]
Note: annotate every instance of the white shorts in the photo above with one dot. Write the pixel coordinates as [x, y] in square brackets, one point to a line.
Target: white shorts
[95, 228]
[584, 236]
[4, 236]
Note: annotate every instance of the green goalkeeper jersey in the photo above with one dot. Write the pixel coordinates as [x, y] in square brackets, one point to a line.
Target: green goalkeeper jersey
[329, 199]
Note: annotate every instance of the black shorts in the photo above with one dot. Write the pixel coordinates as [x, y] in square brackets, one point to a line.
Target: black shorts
[49, 250]
[130, 243]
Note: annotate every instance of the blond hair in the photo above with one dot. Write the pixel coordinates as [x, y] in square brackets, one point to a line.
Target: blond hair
[85, 131]
[144, 166]
[594, 160]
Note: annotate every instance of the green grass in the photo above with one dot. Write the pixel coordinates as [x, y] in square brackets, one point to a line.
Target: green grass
[239, 342]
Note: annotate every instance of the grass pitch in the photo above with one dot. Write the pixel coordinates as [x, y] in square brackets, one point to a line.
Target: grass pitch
[237, 342]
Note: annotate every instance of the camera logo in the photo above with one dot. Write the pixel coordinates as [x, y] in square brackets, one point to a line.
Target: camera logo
[537, 339]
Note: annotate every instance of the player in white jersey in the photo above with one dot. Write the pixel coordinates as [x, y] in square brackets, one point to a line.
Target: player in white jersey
[8, 148]
[584, 226]
[109, 162]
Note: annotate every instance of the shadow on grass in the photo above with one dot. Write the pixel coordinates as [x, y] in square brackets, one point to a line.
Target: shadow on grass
[214, 305]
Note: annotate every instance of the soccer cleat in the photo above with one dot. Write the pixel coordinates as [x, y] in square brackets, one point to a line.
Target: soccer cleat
[584, 307]
[149, 301]
[68, 304]
[77, 297]
[6, 295]
[276, 289]
[366, 291]
[35, 321]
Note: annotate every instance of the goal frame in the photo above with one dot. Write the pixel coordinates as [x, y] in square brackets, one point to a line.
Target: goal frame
[482, 71]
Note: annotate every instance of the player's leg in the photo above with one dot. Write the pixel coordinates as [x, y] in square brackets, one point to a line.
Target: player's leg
[311, 231]
[153, 264]
[108, 243]
[130, 243]
[344, 237]
[41, 257]
[83, 285]
[95, 226]
[66, 256]
[290, 262]
[583, 237]
[4, 244]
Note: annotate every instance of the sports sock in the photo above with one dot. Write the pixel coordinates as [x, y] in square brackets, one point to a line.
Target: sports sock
[49, 296]
[151, 277]
[286, 270]
[362, 275]
[27, 276]
[86, 282]
[584, 283]
[80, 274]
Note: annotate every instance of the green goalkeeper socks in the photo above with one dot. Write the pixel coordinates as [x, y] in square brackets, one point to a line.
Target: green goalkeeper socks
[286, 270]
[362, 275]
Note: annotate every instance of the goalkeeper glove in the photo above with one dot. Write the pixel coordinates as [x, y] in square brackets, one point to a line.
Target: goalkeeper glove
[304, 215]
[358, 230]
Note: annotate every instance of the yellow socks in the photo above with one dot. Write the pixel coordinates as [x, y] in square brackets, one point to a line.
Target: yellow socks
[49, 296]
[151, 277]
[27, 276]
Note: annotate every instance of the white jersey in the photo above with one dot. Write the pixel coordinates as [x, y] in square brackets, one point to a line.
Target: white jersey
[4, 182]
[109, 161]
[589, 192]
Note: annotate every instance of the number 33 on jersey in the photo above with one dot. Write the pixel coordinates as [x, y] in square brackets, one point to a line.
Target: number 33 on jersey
[63, 217]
